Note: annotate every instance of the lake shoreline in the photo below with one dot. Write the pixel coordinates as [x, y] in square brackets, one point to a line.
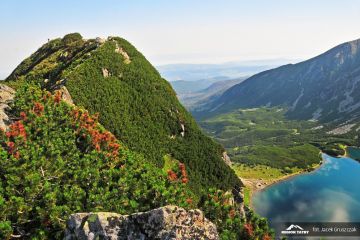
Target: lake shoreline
[328, 194]
[258, 185]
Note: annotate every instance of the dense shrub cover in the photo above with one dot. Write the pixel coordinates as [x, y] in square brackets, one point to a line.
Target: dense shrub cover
[231, 224]
[56, 160]
[135, 104]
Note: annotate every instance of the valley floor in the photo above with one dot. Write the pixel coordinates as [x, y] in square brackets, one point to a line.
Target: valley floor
[266, 147]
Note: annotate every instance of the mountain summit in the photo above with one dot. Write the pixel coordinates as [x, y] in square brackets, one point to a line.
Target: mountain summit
[324, 88]
[110, 77]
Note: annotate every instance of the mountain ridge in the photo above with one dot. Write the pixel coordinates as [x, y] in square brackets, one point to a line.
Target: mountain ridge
[110, 77]
[307, 89]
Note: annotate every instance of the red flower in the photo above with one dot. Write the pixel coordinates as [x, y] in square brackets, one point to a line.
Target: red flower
[17, 155]
[16, 129]
[45, 97]
[266, 237]
[23, 116]
[38, 108]
[249, 229]
[172, 175]
[100, 140]
[97, 147]
[189, 201]
[57, 97]
[11, 147]
[183, 173]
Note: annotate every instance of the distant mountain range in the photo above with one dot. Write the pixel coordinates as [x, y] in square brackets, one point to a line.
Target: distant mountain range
[183, 86]
[230, 70]
[194, 94]
[325, 88]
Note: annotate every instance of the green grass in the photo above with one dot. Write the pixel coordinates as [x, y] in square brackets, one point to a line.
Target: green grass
[258, 171]
[169, 162]
[247, 196]
[264, 136]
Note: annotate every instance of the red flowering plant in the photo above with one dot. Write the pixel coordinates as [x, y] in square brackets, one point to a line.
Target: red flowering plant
[178, 177]
[56, 159]
[220, 208]
[178, 174]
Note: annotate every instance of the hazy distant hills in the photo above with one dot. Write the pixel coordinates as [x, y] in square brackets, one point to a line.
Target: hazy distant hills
[183, 86]
[230, 70]
[201, 84]
[198, 95]
[324, 88]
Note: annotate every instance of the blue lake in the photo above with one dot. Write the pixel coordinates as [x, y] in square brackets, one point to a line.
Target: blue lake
[329, 194]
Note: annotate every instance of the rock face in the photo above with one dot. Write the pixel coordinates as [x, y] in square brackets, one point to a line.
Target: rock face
[6, 96]
[121, 51]
[105, 72]
[65, 95]
[170, 222]
[226, 158]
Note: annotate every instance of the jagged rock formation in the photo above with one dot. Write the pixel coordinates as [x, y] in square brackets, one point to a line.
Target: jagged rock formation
[168, 222]
[6, 96]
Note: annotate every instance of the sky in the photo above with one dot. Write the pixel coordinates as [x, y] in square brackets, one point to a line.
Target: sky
[183, 31]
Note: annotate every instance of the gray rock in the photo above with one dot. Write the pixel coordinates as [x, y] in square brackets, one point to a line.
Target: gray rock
[7, 94]
[226, 159]
[122, 52]
[65, 95]
[170, 222]
[105, 72]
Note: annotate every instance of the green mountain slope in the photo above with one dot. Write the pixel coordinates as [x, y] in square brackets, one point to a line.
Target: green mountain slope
[324, 88]
[55, 159]
[112, 78]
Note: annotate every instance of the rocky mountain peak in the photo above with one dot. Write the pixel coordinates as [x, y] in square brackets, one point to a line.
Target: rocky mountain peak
[169, 222]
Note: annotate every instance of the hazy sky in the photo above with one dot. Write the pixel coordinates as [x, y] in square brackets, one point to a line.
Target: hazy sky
[186, 31]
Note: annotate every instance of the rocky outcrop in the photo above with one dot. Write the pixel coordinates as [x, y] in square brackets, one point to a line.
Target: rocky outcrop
[170, 222]
[7, 94]
[226, 158]
[65, 95]
[182, 133]
[341, 130]
[121, 51]
[105, 72]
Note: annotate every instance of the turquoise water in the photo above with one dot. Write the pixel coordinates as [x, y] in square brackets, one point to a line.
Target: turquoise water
[329, 194]
[354, 152]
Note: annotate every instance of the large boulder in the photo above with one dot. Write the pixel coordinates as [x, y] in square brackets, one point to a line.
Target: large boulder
[170, 222]
[6, 96]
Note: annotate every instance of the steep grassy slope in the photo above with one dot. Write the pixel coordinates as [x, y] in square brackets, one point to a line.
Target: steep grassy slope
[112, 78]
